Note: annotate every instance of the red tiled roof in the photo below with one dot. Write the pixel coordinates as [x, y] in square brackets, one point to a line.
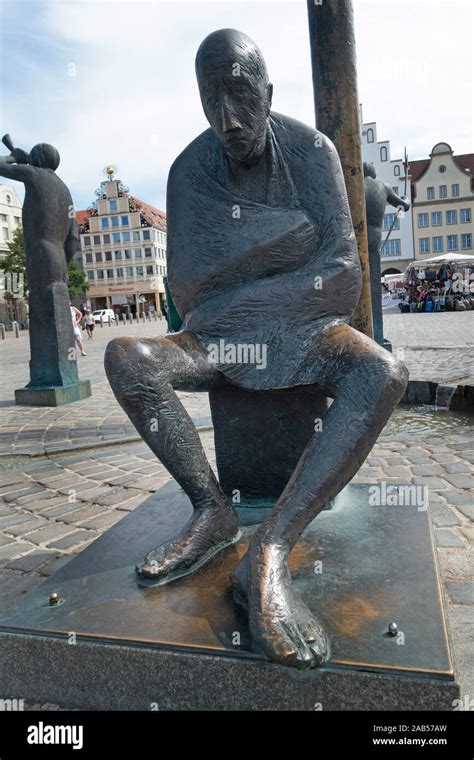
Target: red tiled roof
[153, 216]
[464, 161]
[82, 217]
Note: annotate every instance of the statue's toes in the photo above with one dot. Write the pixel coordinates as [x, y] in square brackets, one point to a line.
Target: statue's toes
[318, 642]
[158, 563]
[283, 642]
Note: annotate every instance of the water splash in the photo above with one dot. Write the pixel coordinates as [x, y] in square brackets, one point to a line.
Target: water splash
[444, 396]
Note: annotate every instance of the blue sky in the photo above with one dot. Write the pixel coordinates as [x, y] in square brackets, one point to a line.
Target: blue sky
[113, 82]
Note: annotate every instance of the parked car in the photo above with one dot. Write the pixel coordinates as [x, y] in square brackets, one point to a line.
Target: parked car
[104, 315]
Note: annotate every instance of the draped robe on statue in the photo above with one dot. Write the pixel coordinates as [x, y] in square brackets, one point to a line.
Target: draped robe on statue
[273, 271]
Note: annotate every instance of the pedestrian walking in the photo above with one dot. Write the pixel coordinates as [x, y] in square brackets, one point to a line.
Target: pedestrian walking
[89, 324]
[76, 317]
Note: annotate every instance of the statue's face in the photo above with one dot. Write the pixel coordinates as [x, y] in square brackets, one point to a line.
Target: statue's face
[236, 105]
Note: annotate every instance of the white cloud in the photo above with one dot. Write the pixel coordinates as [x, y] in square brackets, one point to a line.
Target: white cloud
[134, 100]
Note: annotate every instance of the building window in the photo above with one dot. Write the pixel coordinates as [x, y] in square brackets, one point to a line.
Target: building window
[466, 240]
[436, 218]
[129, 271]
[422, 220]
[96, 239]
[149, 269]
[100, 274]
[136, 234]
[442, 169]
[438, 244]
[120, 272]
[430, 193]
[9, 199]
[370, 135]
[452, 242]
[98, 257]
[139, 271]
[396, 170]
[108, 255]
[17, 220]
[6, 234]
[137, 253]
[146, 234]
[106, 239]
[148, 253]
[124, 220]
[127, 254]
[388, 219]
[3, 218]
[465, 215]
[115, 221]
[451, 217]
[112, 205]
[383, 153]
[116, 237]
[443, 191]
[110, 274]
[104, 221]
[455, 191]
[391, 248]
[88, 258]
[424, 245]
[118, 255]
[395, 189]
[87, 242]
[90, 274]
[126, 237]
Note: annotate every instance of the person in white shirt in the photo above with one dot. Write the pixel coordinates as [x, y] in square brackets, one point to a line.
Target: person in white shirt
[76, 317]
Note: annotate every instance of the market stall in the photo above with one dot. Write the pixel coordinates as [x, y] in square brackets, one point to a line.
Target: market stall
[441, 283]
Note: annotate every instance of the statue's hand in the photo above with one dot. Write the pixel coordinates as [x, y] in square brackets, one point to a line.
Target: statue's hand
[20, 156]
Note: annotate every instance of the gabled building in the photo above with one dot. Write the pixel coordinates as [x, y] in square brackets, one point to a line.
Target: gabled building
[397, 252]
[443, 202]
[123, 248]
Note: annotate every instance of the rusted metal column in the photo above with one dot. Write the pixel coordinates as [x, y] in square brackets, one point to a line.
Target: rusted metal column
[336, 102]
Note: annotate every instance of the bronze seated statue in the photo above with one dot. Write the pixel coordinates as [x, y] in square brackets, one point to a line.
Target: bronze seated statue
[263, 269]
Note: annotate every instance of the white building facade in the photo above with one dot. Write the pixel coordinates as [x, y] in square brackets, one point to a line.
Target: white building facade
[10, 219]
[123, 244]
[398, 251]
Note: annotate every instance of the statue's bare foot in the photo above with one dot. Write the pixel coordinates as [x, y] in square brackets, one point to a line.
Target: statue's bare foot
[207, 532]
[281, 626]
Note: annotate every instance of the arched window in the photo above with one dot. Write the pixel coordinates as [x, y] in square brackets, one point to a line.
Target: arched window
[396, 171]
[370, 135]
[383, 153]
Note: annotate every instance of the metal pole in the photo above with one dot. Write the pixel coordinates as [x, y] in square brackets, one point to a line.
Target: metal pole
[16, 328]
[336, 102]
[2, 330]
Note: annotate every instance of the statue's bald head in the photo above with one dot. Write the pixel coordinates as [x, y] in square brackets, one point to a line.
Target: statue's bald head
[369, 170]
[235, 92]
[225, 48]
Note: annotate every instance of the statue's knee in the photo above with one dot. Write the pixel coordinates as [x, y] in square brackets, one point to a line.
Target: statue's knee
[118, 354]
[392, 373]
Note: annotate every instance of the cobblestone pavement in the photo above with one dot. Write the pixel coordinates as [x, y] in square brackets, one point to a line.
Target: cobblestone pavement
[99, 419]
[64, 487]
[435, 347]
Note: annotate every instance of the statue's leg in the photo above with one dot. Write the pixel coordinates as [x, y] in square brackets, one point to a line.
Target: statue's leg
[144, 375]
[366, 383]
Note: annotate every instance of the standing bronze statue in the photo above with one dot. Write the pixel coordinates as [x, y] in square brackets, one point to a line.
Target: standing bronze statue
[262, 255]
[50, 240]
[377, 195]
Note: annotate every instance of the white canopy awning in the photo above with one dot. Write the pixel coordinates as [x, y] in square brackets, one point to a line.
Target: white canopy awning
[445, 258]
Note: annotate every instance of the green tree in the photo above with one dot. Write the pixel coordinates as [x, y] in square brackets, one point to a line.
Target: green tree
[77, 279]
[14, 263]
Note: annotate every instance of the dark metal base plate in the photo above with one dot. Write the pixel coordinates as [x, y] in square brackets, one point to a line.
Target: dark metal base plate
[359, 567]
